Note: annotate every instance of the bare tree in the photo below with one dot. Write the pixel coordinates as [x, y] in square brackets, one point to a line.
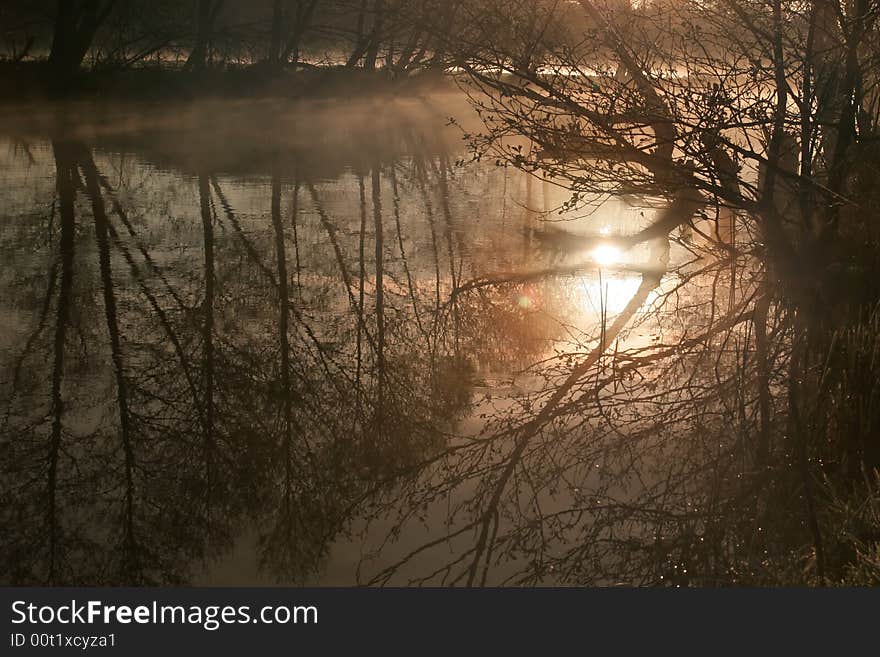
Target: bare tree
[76, 24]
[206, 12]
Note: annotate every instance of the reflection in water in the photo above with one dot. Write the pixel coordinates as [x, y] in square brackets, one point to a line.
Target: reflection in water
[320, 360]
[606, 255]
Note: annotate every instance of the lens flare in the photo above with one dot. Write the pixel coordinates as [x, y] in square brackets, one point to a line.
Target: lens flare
[524, 301]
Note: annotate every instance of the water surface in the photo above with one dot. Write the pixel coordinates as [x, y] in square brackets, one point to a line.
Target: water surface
[259, 342]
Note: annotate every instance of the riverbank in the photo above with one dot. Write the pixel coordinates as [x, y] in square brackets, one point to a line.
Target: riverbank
[30, 81]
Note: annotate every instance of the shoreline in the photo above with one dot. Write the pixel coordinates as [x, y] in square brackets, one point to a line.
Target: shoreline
[33, 81]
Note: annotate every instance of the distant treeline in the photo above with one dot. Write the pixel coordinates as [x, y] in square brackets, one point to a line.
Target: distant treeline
[398, 35]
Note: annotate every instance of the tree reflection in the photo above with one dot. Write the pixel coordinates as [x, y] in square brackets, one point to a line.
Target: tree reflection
[218, 392]
[320, 361]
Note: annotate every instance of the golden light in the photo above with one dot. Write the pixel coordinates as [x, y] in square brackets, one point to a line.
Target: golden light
[606, 295]
[606, 255]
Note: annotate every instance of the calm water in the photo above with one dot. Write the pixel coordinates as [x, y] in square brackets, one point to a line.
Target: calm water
[246, 343]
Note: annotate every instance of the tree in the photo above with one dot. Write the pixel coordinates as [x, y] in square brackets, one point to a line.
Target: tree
[76, 24]
[290, 22]
[750, 132]
[206, 12]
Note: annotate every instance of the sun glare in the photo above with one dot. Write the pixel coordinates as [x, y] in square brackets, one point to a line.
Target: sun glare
[606, 255]
[609, 294]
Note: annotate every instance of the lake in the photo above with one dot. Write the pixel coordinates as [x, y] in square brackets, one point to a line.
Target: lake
[256, 342]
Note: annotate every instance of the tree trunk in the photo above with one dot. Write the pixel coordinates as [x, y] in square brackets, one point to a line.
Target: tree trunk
[274, 57]
[302, 20]
[360, 43]
[375, 35]
[206, 14]
[76, 23]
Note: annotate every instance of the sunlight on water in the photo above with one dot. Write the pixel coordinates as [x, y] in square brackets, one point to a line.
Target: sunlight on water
[606, 255]
[610, 294]
[349, 281]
